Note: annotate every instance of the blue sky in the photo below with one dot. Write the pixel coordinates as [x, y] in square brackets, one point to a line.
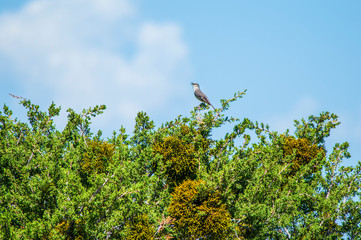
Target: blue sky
[295, 58]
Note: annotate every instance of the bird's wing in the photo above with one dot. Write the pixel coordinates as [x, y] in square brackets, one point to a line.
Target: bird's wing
[202, 97]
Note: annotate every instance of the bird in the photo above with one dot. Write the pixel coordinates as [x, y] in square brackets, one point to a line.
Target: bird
[200, 95]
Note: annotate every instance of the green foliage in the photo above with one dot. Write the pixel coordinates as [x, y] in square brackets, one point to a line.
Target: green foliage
[140, 228]
[96, 156]
[199, 212]
[179, 159]
[304, 152]
[174, 181]
[72, 230]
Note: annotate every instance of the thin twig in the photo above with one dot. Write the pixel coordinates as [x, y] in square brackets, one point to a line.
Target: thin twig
[333, 174]
[288, 234]
[32, 154]
[95, 193]
[278, 174]
[17, 97]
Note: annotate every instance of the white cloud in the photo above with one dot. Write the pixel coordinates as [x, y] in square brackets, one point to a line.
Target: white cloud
[87, 52]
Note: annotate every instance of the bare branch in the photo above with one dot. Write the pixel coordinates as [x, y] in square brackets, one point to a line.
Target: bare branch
[288, 234]
[95, 193]
[32, 154]
[17, 97]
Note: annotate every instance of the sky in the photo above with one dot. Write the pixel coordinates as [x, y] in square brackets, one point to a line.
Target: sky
[295, 58]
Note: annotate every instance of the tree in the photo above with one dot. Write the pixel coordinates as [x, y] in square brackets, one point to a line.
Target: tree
[174, 181]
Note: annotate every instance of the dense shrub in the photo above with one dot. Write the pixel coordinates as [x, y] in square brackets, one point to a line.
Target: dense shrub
[97, 156]
[175, 181]
[304, 152]
[199, 212]
[179, 159]
[140, 228]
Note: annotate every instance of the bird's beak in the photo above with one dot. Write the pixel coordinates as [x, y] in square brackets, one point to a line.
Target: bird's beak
[191, 83]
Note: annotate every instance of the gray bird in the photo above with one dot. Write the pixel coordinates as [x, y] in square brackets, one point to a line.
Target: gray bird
[200, 95]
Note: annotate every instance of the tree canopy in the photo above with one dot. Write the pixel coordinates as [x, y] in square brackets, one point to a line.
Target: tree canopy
[175, 181]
